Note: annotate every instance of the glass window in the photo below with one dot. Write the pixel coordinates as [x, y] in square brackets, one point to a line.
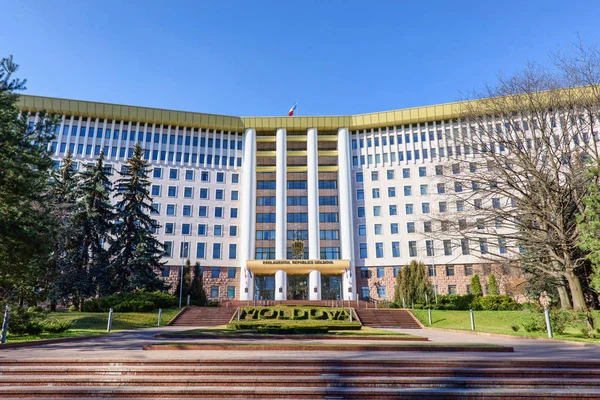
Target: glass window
[232, 255]
[451, 289]
[155, 190]
[374, 175]
[231, 292]
[395, 251]
[235, 178]
[359, 177]
[449, 270]
[234, 195]
[169, 228]
[393, 209]
[188, 192]
[378, 229]
[172, 191]
[380, 272]
[375, 193]
[233, 230]
[170, 209]
[168, 249]
[219, 194]
[379, 250]
[447, 248]
[422, 171]
[362, 250]
[157, 172]
[390, 174]
[203, 211]
[362, 230]
[218, 212]
[173, 173]
[377, 211]
[412, 248]
[409, 209]
[218, 230]
[187, 211]
[201, 229]
[216, 251]
[360, 194]
[360, 212]
[189, 175]
[407, 190]
[394, 228]
[425, 208]
[468, 270]
[391, 192]
[406, 172]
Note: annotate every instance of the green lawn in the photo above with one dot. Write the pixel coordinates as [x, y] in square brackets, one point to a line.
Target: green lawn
[85, 324]
[500, 322]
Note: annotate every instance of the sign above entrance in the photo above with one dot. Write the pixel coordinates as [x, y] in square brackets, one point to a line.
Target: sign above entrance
[298, 266]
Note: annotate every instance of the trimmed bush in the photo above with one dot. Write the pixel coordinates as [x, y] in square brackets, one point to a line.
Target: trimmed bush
[134, 306]
[54, 326]
[495, 303]
[35, 309]
[22, 322]
[140, 301]
[72, 309]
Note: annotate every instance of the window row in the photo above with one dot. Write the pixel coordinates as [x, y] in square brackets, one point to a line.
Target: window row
[188, 139]
[449, 248]
[185, 250]
[186, 211]
[190, 175]
[188, 193]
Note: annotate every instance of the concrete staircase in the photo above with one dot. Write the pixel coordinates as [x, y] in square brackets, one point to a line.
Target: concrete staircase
[299, 379]
[203, 316]
[387, 318]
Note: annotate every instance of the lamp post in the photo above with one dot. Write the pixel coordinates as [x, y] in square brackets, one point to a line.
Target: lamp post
[434, 269]
[184, 253]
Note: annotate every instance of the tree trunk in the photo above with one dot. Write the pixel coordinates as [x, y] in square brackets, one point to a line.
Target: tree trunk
[565, 300]
[576, 291]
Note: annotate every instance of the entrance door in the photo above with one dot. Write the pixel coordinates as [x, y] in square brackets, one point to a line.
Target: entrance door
[331, 286]
[365, 293]
[264, 287]
[297, 287]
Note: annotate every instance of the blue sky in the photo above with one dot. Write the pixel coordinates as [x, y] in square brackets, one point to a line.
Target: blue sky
[259, 57]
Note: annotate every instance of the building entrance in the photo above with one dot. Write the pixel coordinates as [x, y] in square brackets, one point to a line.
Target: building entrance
[297, 287]
[264, 287]
[331, 286]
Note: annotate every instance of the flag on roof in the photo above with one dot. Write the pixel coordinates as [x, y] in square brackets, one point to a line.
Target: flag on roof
[292, 110]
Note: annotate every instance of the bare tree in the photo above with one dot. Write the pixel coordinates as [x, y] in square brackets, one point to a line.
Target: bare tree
[517, 159]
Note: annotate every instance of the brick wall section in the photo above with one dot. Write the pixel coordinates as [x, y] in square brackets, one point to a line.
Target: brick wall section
[460, 279]
[223, 281]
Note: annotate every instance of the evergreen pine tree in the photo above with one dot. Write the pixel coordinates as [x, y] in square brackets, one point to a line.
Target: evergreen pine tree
[197, 293]
[187, 278]
[493, 286]
[476, 286]
[136, 254]
[67, 281]
[25, 233]
[94, 217]
[412, 284]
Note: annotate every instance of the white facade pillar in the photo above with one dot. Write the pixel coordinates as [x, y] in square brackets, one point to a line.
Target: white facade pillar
[280, 285]
[314, 281]
[312, 180]
[248, 214]
[281, 211]
[345, 201]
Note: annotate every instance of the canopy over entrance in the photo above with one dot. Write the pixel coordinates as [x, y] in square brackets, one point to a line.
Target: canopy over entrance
[329, 267]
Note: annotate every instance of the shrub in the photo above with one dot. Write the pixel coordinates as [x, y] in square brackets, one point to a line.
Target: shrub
[126, 302]
[454, 302]
[72, 309]
[493, 286]
[22, 322]
[35, 309]
[495, 303]
[515, 328]
[476, 286]
[54, 326]
[134, 306]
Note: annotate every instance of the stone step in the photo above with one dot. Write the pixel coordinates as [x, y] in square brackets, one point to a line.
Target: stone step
[18, 372]
[214, 392]
[324, 380]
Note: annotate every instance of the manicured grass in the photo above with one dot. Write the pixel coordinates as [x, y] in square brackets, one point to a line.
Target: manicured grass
[500, 322]
[84, 324]
[223, 332]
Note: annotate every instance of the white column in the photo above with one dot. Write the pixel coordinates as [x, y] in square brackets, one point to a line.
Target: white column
[280, 284]
[248, 213]
[312, 180]
[314, 281]
[345, 201]
[280, 211]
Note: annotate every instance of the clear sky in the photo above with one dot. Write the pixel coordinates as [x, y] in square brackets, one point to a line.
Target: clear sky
[259, 57]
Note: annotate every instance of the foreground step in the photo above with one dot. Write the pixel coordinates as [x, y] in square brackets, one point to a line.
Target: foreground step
[292, 393]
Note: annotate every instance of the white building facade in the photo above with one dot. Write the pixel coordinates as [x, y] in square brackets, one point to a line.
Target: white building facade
[360, 193]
